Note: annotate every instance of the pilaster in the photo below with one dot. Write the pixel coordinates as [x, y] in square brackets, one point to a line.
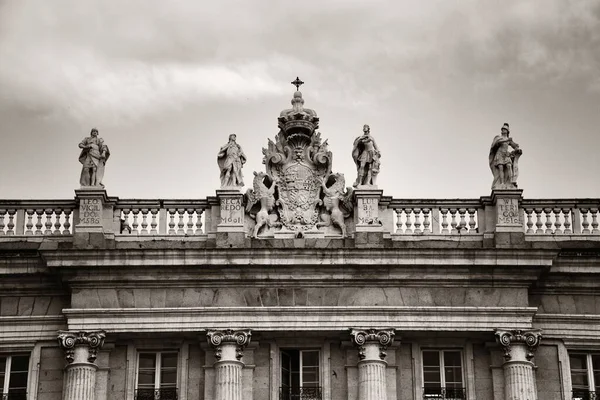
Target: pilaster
[229, 349]
[81, 349]
[519, 348]
[372, 345]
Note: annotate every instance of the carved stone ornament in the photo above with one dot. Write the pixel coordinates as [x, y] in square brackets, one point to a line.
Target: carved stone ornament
[381, 338]
[530, 338]
[229, 337]
[504, 160]
[298, 192]
[69, 340]
[231, 159]
[93, 157]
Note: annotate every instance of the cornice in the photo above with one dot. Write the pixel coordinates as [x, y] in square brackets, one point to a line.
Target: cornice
[571, 326]
[197, 319]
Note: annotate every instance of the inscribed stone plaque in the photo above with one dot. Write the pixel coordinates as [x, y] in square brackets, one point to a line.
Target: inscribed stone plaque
[507, 211]
[90, 211]
[368, 210]
[232, 211]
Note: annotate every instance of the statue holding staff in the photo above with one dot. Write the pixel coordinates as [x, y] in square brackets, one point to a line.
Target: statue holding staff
[504, 160]
[231, 159]
[94, 154]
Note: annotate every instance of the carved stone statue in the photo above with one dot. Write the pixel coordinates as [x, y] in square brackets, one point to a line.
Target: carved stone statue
[263, 194]
[366, 156]
[337, 202]
[231, 159]
[504, 160]
[93, 157]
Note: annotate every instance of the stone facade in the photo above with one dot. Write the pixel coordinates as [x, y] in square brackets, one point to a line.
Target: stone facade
[299, 289]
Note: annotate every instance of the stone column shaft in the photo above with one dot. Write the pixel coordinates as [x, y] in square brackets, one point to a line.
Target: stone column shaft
[372, 344]
[519, 348]
[229, 346]
[80, 373]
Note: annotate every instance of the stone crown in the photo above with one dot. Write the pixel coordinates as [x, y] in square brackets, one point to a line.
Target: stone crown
[298, 119]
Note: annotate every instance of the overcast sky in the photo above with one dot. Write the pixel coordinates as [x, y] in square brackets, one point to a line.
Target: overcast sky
[166, 82]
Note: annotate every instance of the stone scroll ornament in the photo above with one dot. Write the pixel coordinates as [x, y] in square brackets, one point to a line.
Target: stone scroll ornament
[382, 338]
[69, 340]
[530, 338]
[297, 192]
[504, 160]
[366, 156]
[93, 157]
[231, 159]
[229, 337]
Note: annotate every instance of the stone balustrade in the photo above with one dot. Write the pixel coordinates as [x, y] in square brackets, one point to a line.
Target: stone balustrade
[36, 217]
[561, 217]
[400, 217]
[436, 217]
[161, 217]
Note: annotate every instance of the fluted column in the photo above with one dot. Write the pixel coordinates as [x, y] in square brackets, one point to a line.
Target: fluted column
[229, 349]
[519, 348]
[372, 345]
[80, 349]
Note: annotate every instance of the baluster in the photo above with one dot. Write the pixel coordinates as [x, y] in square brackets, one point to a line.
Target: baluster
[453, 223]
[180, 224]
[153, 223]
[124, 221]
[529, 213]
[199, 213]
[398, 220]
[462, 226]
[172, 221]
[11, 222]
[144, 212]
[190, 221]
[567, 214]
[38, 224]
[67, 223]
[594, 212]
[426, 223]
[135, 224]
[57, 224]
[29, 224]
[48, 224]
[2, 214]
[585, 224]
[472, 212]
[408, 223]
[444, 212]
[548, 212]
[557, 221]
[417, 223]
[538, 222]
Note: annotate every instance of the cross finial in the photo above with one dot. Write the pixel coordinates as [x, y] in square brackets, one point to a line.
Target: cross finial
[297, 83]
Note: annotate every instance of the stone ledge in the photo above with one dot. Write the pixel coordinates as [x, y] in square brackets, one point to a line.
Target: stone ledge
[30, 329]
[195, 319]
[573, 326]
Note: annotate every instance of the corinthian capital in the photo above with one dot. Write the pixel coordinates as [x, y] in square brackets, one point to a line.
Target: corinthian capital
[372, 337]
[529, 338]
[229, 337]
[68, 340]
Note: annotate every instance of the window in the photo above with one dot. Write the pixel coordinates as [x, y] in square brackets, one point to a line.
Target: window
[442, 375]
[157, 376]
[300, 375]
[13, 377]
[585, 375]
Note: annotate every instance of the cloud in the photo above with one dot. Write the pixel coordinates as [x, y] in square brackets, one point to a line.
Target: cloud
[124, 60]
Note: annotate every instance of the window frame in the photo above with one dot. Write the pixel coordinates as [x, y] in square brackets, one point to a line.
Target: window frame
[280, 344]
[465, 347]
[591, 381]
[5, 389]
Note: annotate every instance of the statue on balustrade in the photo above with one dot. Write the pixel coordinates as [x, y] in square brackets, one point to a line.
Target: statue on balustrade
[504, 160]
[366, 156]
[231, 159]
[93, 157]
